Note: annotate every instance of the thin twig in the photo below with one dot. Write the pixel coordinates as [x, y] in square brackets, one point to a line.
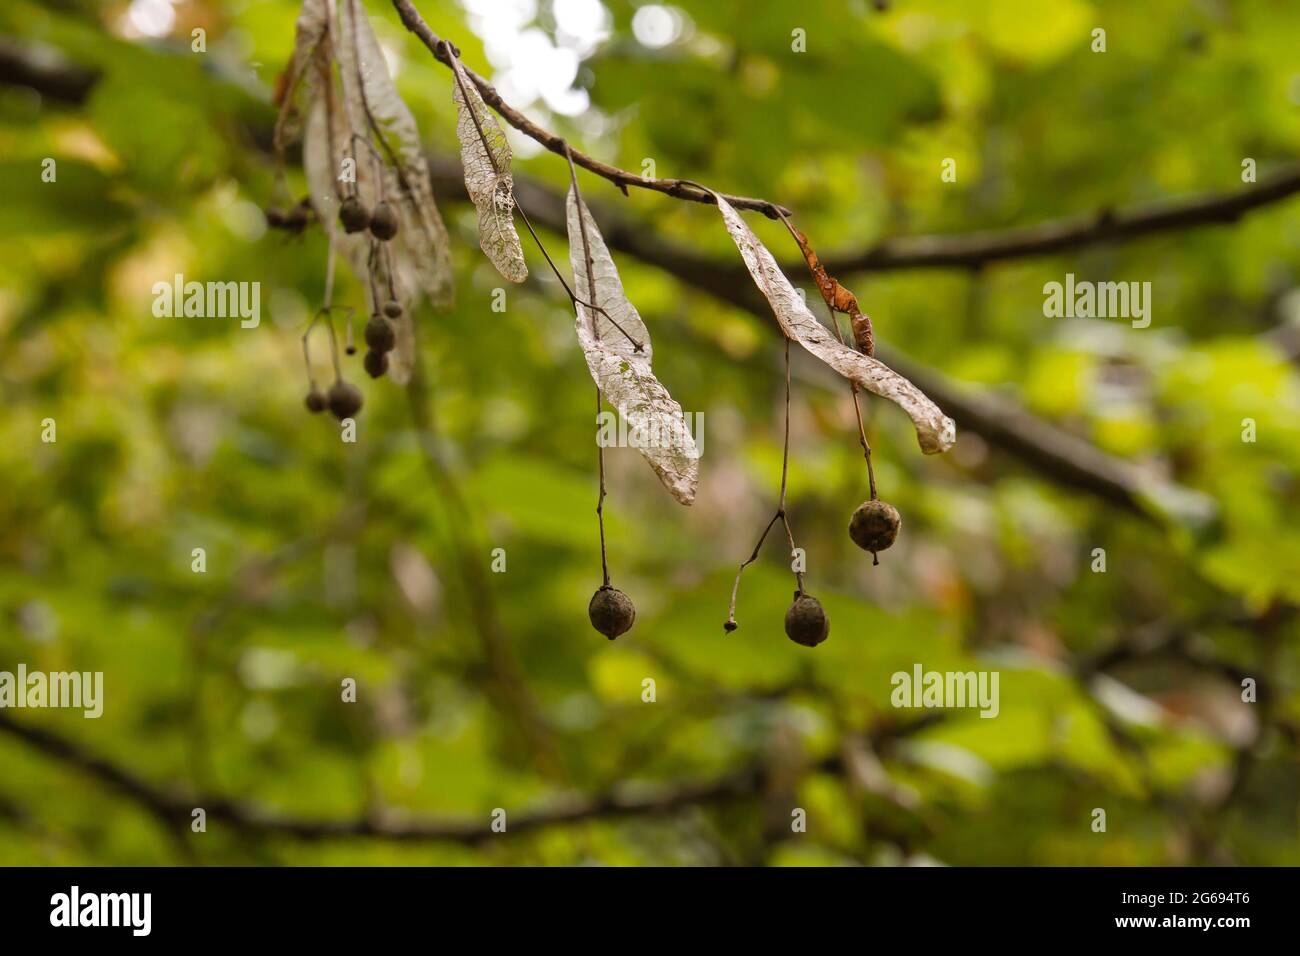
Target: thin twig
[595, 331]
[443, 51]
[730, 624]
[69, 83]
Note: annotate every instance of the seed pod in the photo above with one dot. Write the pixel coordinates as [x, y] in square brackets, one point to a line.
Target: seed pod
[295, 220]
[383, 221]
[393, 309]
[376, 363]
[380, 335]
[315, 401]
[806, 622]
[353, 214]
[874, 526]
[275, 217]
[863, 337]
[344, 400]
[611, 612]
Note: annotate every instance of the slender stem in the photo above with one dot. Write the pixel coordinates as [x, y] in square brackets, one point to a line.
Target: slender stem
[857, 410]
[730, 624]
[866, 447]
[637, 346]
[586, 245]
[371, 284]
[595, 331]
[785, 465]
[329, 277]
[306, 355]
[600, 500]
[387, 253]
[334, 347]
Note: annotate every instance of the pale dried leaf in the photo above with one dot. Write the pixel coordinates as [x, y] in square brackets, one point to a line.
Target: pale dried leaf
[309, 32]
[935, 431]
[367, 84]
[487, 177]
[621, 370]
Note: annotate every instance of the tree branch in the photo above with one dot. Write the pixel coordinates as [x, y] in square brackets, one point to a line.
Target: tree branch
[1058, 455]
[173, 809]
[621, 178]
[970, 251]
[40, 68]
[975, 249]
[50, 75]
[1063, 458]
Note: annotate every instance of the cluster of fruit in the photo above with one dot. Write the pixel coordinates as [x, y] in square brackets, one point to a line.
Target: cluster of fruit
[873, 527]
[343, 399]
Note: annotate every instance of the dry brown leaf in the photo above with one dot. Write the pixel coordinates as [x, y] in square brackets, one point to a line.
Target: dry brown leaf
[293, 90]
[837, 298]
[935, 431]
[616, 344]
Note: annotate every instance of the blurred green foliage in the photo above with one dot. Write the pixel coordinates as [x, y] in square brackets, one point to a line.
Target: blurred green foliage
[327, 560]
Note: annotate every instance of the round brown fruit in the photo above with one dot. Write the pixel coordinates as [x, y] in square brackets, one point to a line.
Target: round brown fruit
[379, 335]
[344, 400]
[806, 622]
[393, 309]
[383, 221]
[315, 401]
[376, 363]
[611, 612]
[354, 215]
[874, 526]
